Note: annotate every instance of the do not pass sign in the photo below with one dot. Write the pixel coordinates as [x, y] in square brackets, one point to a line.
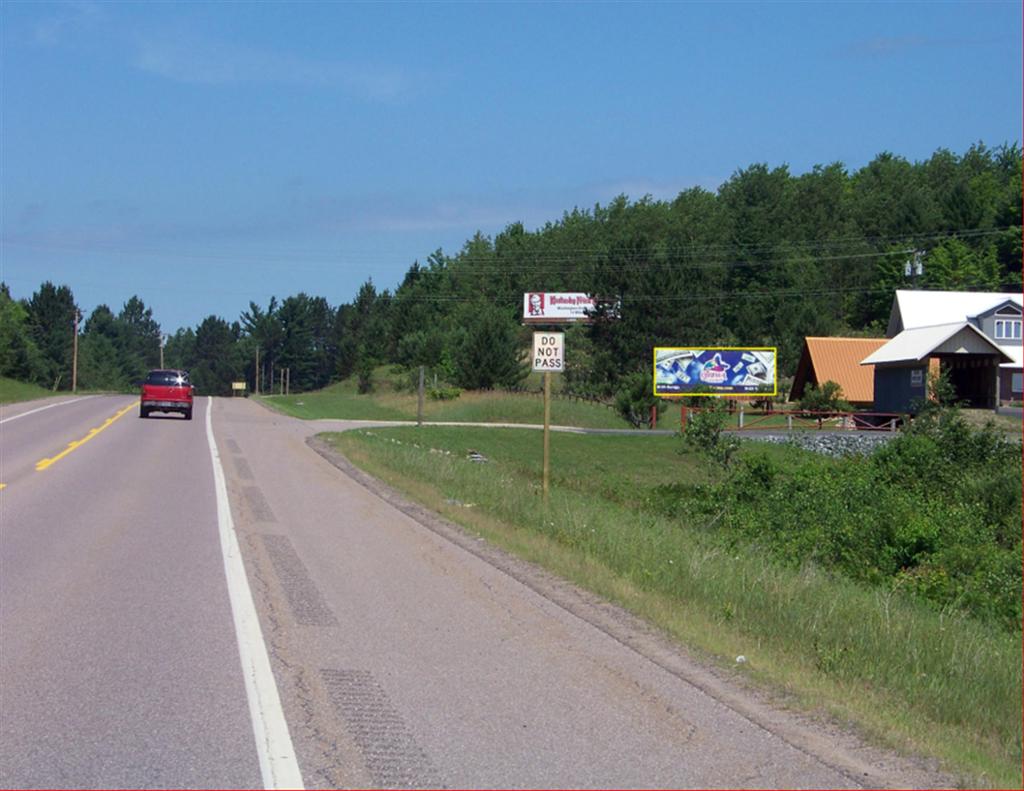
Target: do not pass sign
[548, 351]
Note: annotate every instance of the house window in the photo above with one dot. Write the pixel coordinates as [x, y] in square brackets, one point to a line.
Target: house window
[1007, 330]
[1017, 383]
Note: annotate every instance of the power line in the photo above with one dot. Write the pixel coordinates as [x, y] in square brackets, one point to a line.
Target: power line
[568, 255]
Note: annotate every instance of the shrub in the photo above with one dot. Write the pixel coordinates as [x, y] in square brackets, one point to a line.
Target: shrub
[443, 393]
[935, 512]
[705, 432]
[826, 398]
[635, 398]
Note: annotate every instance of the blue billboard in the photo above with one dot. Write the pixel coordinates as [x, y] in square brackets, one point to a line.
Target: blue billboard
[720, 371]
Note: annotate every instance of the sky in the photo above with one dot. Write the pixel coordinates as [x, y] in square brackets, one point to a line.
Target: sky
[205, 155]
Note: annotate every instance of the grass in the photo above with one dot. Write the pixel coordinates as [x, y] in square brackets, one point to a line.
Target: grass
[389, 402]
[1003, 423]
[12, 391]
[910, 676]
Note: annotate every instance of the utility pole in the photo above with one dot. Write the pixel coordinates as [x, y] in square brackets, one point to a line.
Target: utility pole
[74, 353]
[256, 377]
[163, 342]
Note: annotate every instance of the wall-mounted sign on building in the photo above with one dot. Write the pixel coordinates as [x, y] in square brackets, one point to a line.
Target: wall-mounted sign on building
[714, 372]
[545, 307]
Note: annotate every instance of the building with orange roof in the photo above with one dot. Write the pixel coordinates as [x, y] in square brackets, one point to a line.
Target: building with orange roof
[838, 360]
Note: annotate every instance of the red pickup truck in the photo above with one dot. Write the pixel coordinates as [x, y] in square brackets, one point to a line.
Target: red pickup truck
[166, 391]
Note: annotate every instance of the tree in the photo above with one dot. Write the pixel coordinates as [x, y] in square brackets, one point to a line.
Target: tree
[102, 361]
[264, 331]
[180, 351]
[51, 322]
[19, 356]
[954, 266]
[140, 338]
[487, 350]
[216, 361]
[825, 398]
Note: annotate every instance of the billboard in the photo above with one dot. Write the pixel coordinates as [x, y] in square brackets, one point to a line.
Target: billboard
[716, 371]
[545, 307]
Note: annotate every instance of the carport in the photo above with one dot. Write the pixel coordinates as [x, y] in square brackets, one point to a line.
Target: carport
[961, 350]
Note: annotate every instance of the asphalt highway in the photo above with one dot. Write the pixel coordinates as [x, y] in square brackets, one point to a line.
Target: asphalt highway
[402, 652]
[118, 660]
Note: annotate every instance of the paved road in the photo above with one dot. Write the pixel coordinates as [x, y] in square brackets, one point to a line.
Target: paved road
[405, 652]
[118, 660]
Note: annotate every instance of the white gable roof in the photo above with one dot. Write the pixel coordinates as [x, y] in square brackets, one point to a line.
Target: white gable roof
[912, 309]
[916, 344]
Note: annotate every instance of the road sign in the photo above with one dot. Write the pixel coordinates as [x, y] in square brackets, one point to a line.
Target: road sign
[549, 352]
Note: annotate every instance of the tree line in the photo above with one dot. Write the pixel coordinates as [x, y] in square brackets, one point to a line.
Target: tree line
[767, 259]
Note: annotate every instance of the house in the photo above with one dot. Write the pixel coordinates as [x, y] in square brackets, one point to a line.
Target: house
[975, 337]
[837, 360]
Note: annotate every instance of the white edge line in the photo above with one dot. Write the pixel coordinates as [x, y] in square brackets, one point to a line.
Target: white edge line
[48, 406]
[278, 764]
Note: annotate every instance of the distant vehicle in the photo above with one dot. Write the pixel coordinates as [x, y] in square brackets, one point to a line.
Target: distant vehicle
[166, 391]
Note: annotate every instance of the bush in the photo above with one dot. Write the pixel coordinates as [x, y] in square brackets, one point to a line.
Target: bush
[443, 393]
[635, 398]
[826, 398]
[705, 432]
[935, 512]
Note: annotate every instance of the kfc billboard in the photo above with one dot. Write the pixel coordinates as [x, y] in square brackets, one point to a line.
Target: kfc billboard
[545, 307]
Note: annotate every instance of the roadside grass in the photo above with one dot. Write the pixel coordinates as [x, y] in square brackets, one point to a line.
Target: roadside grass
[389, 402]
[911, 677]
[1004, 423]
[12, 391]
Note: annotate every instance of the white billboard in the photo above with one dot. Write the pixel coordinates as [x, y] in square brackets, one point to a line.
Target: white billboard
[545, 307]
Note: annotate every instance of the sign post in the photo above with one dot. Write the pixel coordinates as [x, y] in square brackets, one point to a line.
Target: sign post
[548, 356]
[547, 432]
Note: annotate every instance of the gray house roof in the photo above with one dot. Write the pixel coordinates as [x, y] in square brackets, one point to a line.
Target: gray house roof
[918, 344]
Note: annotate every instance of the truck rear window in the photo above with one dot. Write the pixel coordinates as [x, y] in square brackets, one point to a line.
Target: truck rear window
[167, 378]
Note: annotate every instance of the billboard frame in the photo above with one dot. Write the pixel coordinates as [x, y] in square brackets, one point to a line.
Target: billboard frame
[749, 394]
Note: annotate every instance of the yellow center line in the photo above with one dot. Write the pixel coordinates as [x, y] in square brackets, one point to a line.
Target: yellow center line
[44, 463]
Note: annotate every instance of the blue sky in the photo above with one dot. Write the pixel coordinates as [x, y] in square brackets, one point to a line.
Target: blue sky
[200, 155]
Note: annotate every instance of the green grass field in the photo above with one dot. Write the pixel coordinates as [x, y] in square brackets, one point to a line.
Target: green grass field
[12, 391]
[341, 401]
[912, 677]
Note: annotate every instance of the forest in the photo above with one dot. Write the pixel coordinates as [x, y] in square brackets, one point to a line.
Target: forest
[767, 259]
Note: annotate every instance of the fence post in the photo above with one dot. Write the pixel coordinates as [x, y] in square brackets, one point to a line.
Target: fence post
[419, 400]
[789, 422]
[741, 415]
[892, 425]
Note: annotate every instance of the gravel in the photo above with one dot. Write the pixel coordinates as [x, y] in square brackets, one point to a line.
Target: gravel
[858, 443]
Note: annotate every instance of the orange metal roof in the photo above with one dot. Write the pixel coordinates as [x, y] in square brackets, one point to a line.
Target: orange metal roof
[838, 360]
